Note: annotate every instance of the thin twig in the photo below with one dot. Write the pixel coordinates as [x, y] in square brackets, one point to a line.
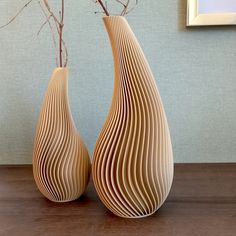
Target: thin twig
[120, 1]
[132, 8]
[126, 8]
[51, 13]
[42, 26]
[127, 5]
[17, 14]
[66, 53]
[59, 25]
[51, 28]
[103, 7]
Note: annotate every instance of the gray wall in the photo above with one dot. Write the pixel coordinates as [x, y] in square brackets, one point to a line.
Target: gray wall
[195, 70]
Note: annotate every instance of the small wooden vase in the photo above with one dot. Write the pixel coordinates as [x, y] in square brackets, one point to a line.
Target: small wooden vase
[132, 161]
[61, 163]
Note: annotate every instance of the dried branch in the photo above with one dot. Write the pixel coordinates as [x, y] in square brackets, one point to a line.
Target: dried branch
[103, 7]
[61, 25]
[58, 23]
[51, 28]
[17, 14]
[120, 1]
[132, 8]
[125, 6]
[44, 23]
[128, 6]
[50, 11]
[66, 53]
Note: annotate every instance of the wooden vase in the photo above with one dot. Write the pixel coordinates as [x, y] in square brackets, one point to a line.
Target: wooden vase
[61, 163]
[132, 162]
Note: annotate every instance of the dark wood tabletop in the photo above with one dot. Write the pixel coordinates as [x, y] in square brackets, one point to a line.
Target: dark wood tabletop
[202, 202]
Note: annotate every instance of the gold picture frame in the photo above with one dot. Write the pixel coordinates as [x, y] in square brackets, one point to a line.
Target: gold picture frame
[196, 18]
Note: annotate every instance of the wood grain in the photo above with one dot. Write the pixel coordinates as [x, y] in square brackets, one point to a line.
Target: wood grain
[201, 202]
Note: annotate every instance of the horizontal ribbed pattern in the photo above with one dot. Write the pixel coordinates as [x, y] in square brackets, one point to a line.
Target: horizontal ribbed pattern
[61, 163]
[132, 160]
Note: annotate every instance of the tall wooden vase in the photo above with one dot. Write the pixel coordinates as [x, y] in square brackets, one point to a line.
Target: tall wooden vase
[61, 163]
[132, 161]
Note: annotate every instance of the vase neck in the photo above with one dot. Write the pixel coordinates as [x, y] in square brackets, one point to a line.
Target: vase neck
[61, 71]
[118, 30]
[125, 46]
[60, 74]
[122, 39]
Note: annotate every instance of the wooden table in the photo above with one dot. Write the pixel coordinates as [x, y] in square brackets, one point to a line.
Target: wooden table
[202, 202]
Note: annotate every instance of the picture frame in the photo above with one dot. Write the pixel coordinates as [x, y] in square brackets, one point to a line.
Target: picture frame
[211, 12]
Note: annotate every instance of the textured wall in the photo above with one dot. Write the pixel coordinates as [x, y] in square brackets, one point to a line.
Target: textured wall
[195, 71]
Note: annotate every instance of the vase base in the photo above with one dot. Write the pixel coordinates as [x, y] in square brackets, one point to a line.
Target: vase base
[63, 201]
[138, 217]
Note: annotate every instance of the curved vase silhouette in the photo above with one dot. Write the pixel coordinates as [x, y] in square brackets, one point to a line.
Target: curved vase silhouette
[132, 161]
[61, 163]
